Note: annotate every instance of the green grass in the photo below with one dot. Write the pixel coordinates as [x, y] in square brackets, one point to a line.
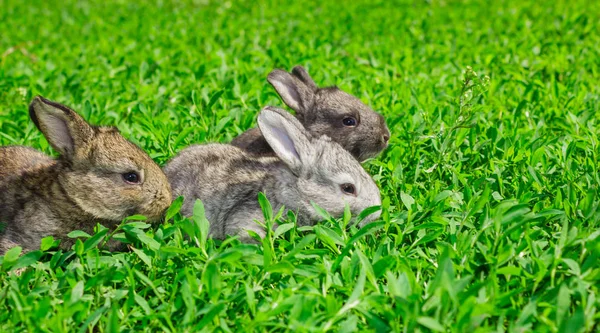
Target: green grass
[491, 208]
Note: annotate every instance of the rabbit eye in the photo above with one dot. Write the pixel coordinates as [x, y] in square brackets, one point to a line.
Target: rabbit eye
[349, 121]
[131, 177]
[348, 188]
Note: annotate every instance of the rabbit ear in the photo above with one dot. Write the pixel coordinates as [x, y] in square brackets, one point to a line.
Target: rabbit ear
[294, 92]
[64, 129]
[286, 136]
[302, 74]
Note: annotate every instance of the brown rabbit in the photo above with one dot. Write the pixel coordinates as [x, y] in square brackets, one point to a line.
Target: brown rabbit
[99, 177]
[323, 111]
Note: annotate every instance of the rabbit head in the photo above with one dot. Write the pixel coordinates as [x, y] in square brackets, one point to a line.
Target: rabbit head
[103, 174]
[324, 172]
[332, 112]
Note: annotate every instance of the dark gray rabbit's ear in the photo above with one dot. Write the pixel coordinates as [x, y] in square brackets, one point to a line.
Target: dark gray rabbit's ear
[286, 136]
[294, 92]
[303, 75]
[64, 129]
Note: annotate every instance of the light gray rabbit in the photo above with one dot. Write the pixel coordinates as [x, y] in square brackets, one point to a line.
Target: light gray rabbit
[306, 169]
[99, 177]
[323, 111]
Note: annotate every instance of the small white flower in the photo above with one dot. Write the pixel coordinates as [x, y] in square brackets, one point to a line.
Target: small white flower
[22, 91]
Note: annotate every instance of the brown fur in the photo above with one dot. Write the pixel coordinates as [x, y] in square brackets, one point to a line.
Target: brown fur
[322, 111]
[253, 142]
[40, 196]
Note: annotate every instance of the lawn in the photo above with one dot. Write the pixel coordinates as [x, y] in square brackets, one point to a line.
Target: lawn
[491, 218]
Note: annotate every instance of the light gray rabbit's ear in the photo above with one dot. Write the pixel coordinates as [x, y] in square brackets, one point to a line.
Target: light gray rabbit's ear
[64, 129]
[286, 136]
[294, 92]
[303, 75]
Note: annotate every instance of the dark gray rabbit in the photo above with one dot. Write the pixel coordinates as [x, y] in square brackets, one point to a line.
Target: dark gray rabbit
[323, 111]
[306, 169]
[99, 177]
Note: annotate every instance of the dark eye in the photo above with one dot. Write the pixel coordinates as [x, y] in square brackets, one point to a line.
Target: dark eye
[131, 177]
[348, 188]
[349, 121]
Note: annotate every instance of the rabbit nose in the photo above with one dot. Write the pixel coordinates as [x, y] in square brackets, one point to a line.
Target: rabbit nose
[386, 138]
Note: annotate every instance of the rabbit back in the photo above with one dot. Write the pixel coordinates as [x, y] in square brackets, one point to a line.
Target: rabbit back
[24, 210]
[225, 179]
[17, 163]
[15, 160]
[253, 142]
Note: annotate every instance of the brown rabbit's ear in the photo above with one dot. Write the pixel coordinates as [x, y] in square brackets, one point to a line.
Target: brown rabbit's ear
[64, 129]
[294, 92]
[303, 75]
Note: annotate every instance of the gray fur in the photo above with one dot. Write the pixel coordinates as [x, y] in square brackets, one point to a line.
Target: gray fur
[41, 196]
[321, 111]
[306, 169]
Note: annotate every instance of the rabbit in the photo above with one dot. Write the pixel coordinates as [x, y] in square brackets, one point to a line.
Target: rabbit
[99, 177]
[305, 169]
[331, 111]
